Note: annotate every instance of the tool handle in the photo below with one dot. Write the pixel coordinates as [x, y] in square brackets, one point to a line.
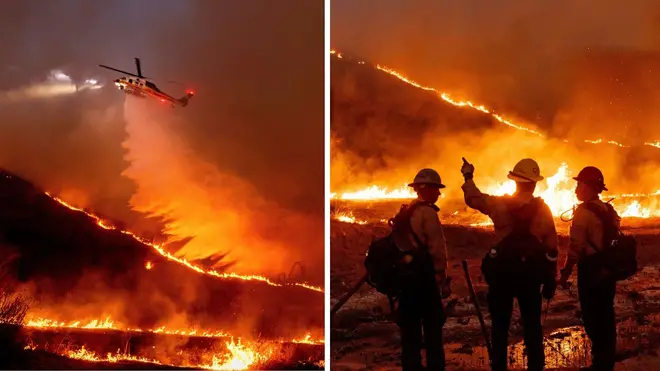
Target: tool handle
[473, 295]
[348, 295]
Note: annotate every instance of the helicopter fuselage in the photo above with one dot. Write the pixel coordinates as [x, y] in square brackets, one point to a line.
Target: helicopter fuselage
[134, 86]
[139, 86]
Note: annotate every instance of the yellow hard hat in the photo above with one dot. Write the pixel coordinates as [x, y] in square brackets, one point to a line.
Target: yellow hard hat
[526, 171]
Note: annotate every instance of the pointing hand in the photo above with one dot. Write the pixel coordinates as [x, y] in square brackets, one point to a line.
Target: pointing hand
[467, 169]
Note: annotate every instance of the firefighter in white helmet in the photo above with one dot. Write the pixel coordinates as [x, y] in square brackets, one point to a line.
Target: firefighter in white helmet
[522, 260]
[420, 302]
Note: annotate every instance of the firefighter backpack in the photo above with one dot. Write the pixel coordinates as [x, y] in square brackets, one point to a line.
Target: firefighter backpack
[384, 260]
[619, 253]
[520, 256]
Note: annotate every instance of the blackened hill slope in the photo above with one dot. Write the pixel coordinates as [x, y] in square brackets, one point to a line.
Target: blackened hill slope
[370, 107]
[76, 269]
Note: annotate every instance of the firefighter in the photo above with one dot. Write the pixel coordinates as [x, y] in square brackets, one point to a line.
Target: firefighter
[596, 293]
[420, 301]
[507, 215]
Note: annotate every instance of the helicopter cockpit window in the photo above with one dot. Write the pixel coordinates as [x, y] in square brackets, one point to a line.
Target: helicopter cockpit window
[124, 78]
[130, 81]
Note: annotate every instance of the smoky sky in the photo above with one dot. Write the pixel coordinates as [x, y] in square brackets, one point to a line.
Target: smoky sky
[512, 54]
[256, 67]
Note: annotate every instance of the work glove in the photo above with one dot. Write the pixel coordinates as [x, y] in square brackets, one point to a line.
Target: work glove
[467, 170]
[549, 289]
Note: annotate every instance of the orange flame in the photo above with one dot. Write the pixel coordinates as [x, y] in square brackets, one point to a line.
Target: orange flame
[239, 356]
[557, 191]
[105, 225]
[109, 324]
[447, 98]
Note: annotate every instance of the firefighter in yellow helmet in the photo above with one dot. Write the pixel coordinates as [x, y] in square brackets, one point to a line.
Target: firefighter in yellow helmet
[522, 261]
[596, 290]
[420, 301]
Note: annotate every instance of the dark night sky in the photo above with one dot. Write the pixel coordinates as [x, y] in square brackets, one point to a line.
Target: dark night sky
[256, 66]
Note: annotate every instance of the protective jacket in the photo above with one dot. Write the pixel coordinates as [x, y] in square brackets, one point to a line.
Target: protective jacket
[542, 226]
[426, 225]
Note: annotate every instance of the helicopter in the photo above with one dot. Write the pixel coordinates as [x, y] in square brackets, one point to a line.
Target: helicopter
[139, 86]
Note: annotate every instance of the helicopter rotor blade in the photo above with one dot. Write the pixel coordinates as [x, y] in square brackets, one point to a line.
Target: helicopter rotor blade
[139, 69]
[127, 73]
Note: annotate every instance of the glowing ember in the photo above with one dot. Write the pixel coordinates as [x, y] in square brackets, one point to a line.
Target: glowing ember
[104, 224]
[347, 217]
[149, 265]
[308, 340]
[597, 141]
[87, 355]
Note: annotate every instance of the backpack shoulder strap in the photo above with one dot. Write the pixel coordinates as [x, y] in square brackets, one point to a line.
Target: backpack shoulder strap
[405, 216]
[412, 209]
[524, 214]
[606, 217]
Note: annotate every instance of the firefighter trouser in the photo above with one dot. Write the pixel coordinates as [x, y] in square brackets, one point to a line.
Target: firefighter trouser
[597, 306]
[500, 305]
[420, 308]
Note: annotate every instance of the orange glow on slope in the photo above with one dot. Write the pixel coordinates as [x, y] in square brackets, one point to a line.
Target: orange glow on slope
[104, 224]
[458, 103]
[557, 190]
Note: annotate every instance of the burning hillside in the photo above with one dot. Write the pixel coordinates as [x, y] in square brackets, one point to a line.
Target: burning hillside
[386, 127]
[86, 277]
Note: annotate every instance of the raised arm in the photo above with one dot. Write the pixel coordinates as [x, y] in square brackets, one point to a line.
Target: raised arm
[473, 196]
[475, 199]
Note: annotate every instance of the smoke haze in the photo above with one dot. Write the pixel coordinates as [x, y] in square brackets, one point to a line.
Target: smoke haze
[254, 129]
[518, 56]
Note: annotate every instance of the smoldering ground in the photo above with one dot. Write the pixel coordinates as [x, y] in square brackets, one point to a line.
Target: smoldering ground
[521, 57]
[257, 70]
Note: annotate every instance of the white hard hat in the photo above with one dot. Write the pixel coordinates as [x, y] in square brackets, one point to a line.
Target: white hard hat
[526, 171]
[427, 177]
